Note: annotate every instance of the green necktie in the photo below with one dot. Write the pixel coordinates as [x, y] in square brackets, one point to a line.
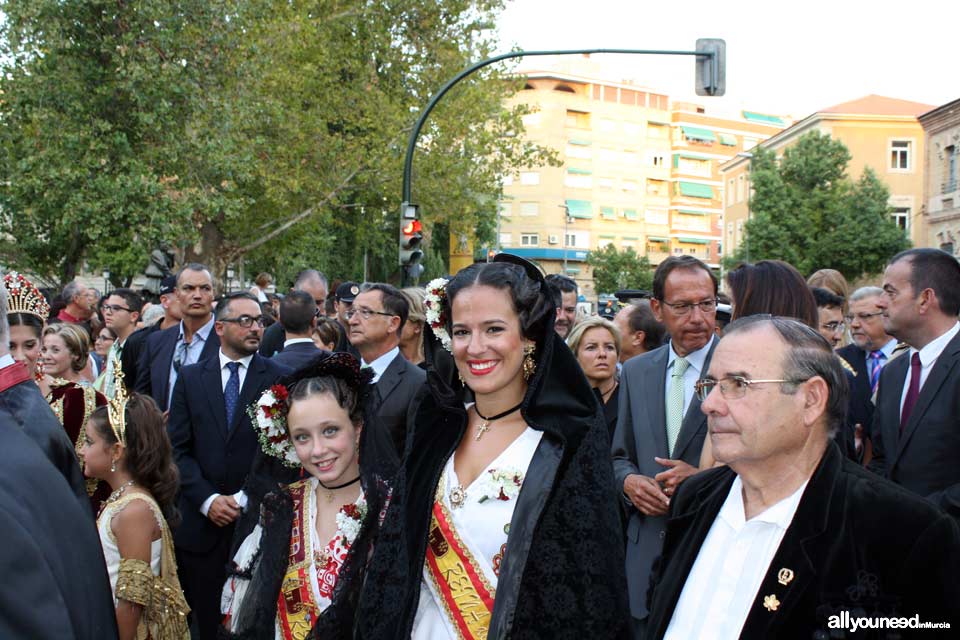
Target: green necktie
[675, 402]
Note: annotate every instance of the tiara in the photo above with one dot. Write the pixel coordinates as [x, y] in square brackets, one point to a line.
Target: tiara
[117, 406]
[23, 297]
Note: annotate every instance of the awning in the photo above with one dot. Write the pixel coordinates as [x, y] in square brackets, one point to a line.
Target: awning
[657, 239]
[696, 133]
[763, 118]
[695, 240]
[631, 214]
[693, 212]
[579, 172]
[727, 139]
[579, 142]
[696, 190]
[608, 213]
[579, 208]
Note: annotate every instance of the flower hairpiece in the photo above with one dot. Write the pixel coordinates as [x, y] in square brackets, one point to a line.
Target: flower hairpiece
[269, 416]
[434, 301]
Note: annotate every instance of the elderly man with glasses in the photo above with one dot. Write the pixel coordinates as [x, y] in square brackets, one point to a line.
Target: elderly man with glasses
[789, 539]
[214, 444]
[660, 429]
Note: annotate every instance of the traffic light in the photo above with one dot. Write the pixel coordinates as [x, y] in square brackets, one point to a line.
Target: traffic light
[411, 235]
[711, 71]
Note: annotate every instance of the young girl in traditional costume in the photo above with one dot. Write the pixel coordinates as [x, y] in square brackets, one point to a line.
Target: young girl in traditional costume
[126, 445]
[290, 569]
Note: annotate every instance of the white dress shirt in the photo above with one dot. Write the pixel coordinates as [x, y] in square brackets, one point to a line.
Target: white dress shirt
[693, 373]
[287, 343]
[380, 364]
[239, 496]
[928, 358]
[730, 567]
[192, 354]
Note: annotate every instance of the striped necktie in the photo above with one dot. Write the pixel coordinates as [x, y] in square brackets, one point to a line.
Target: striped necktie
[675, 402]
[876, 364]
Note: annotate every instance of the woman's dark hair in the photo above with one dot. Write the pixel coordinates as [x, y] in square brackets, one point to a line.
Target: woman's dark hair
[773, 287]
[328, 330]
[149, 455]
[532, 300]
[26, 320]
[345, 394]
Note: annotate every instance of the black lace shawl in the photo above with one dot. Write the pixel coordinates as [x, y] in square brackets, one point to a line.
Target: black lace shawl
[563, 570]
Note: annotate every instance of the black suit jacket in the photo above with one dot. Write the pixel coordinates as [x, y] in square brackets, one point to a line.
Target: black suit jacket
[925, 458]
[24, 407]
[212, 457]
[856, 543]
[397, 394]
[273, 338]
[153, 368]
[297, 355]
[55, 581]
[132, 348]
[861, 403]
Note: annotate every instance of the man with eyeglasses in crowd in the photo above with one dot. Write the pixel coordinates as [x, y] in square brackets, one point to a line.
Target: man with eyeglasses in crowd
[376, 320]
[214, 444]
[189, 341]
[789, 539]
[660, 429]
[121, 311]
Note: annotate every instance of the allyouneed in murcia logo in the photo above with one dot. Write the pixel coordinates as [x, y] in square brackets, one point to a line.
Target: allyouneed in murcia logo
[853, 624]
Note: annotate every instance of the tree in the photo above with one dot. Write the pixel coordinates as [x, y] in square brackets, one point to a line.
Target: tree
[614, 270]
[806, 211]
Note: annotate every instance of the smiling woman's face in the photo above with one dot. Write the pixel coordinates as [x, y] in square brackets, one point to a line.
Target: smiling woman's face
[324, 438]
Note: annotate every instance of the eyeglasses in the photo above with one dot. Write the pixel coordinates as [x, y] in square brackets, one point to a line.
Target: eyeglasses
[104, 339]
[245, 321]
[836, 325]
[862, 317]
[113, 308]
[366, 314]
[683, 308]
[731, 387]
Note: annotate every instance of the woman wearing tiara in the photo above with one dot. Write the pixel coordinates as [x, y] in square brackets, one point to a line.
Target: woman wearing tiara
[504, 518]
[126, 446]
[313, 537]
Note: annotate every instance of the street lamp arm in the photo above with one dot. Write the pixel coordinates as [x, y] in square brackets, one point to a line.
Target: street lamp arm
[415, 133]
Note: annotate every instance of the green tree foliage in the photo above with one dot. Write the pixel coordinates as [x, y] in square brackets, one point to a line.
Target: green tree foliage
[614, 270]
[806, 211]
[271, 130]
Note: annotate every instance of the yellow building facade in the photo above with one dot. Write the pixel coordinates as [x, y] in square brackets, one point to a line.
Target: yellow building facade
[942, 171]
[879, 132]
[637, 172]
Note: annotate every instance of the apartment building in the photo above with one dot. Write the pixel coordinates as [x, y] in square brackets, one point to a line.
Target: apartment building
[941, 191]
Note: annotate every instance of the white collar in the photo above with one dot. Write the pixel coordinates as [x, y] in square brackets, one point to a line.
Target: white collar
[287, 343]
[244, 362]
[779, 514]
[203, 332]
[380, 364]
[694, 358]
[933, 349]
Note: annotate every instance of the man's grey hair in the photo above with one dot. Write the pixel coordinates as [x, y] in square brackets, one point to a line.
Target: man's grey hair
[71, 290]
[309, 275]
[4, 323]
[808, 355]
[865, 292]
[151, 315]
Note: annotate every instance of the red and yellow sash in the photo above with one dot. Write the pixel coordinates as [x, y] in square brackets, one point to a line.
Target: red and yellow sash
[465, 593]
[297, 610]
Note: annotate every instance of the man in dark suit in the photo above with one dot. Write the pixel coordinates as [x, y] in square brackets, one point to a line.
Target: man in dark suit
[188, 342]
[790, 540]
[55, 579]
[660, 429]
[309, 281]
[298, 315]
[24, 407]
[916, 426]
[130, 358]
[376, 320]
[872, 348]
[214, 444]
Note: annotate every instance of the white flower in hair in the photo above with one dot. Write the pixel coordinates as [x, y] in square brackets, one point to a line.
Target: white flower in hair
[269, 417]
[434, 301]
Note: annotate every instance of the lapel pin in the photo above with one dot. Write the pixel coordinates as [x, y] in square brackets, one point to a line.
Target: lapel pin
[785, 576]
[770, 603]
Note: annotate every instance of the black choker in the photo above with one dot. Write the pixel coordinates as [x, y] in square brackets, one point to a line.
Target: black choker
[340, 486]
[484, 426]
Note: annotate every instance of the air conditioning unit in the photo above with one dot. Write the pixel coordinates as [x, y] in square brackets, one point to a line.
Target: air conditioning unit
[554, 239]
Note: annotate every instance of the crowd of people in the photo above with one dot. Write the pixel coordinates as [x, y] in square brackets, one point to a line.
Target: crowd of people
[477, 459]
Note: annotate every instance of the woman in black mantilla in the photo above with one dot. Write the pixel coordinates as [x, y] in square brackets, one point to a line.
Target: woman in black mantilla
[307, 554]
[503, 521]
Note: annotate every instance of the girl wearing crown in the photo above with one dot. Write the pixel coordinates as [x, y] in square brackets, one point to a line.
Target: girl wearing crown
[126, 445]
[312, 540]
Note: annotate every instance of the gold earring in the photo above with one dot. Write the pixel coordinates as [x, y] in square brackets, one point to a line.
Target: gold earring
[460, 377]
[529, 364]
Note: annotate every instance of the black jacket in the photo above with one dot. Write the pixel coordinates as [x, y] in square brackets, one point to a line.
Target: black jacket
[563, 570]
[856, 543]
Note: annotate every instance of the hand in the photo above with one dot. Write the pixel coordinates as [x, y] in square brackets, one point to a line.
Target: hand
[858, 437]
[645, 494]
[677, 472]
[223, 510]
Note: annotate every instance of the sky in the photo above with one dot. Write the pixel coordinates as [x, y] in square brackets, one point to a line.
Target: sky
[782, 58]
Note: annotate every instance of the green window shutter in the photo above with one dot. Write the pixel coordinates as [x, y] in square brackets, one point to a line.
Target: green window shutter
[580, 208]
[696, 190]
[631, 214]
[696, 133]
[608, 213]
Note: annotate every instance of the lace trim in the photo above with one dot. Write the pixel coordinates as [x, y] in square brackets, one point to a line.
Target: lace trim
[165, 611]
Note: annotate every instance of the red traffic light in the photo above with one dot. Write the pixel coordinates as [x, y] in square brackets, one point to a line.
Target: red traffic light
[412, 227]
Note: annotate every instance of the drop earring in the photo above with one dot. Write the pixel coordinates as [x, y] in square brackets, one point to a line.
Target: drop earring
[113, 466]
[529, 364]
